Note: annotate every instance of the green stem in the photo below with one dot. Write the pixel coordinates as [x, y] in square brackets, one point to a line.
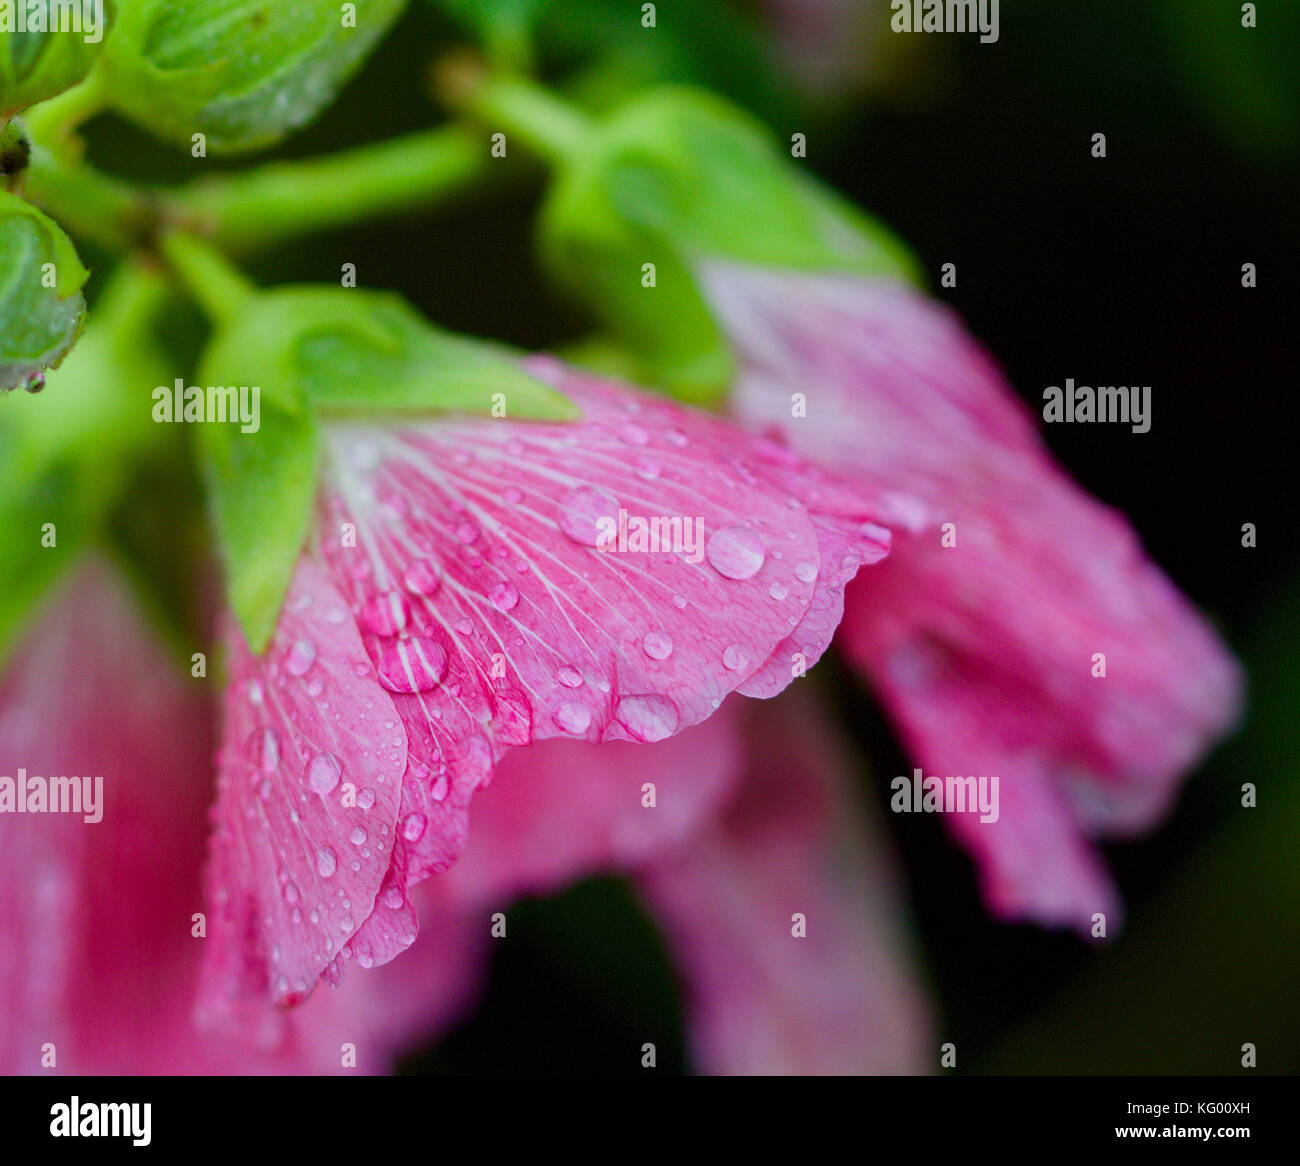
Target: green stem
[549, 125]
[87, 202]
[53, 122]
[221, 290]
[241, 212]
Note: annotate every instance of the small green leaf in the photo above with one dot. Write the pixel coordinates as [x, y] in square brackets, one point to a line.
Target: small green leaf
[35, 66]
[241, 72]
[676, 178]
[41, 307]
[261, 487]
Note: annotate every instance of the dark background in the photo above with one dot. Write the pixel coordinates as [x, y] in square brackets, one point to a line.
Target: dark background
[1122, 270]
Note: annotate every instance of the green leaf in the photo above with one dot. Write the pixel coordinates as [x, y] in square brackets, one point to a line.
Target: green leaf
[261, 487]
[35, 66]
[38, 323]
[677, 178]
[313, 353]
[241, 72]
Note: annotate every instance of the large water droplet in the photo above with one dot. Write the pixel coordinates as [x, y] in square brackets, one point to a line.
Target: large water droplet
[414, 665]
[581, 509]
[386, 614]
[366, 799]
[326, 862]
[301, 657]
[413, 827]
[658, 645]
[358, 836]
[805, 572]
[569, 676]
[420, 577]
[467, 532]
[734, 658]
[323, 773]
[648, 716]
[504, 597]
[736, 552]
[633, 434]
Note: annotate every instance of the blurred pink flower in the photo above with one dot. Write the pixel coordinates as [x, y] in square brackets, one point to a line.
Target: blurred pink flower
[98, 956]
[454, 602]
[983, 651]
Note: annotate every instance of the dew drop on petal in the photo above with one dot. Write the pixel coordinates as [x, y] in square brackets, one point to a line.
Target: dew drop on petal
[358, 836]
[569, 676]
[648, 717]
[420, 577]
[580, 510]
[735, 552]
[504, 597]
[366, 799]
[413, 827]
[301, 657]
[323, 773]
[734, 658]
[394, 899]
[410, 666]
[630, 433]
[386, 614]
[658, 645]
[778, 591]
[805, 572]
[290, 893]
[467, 532]
[326, 862]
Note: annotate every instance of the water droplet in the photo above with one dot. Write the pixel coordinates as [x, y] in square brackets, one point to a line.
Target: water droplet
[805, 572]
[386, 614]
[323, 773]
[301, 657]
[649, 468]
[512, 495]
[290, 893]
[255, 694]
[658, 645]
[736, 552]
[394, 899]
[631, 433]
[438, 790]
[420, 577]
[467, 532]
[358, 836]
[778, 591]
[569, 676]
[413, 827]
[264, 747]
[648, 716]
[414, 665]
[675, 437]
[326, 862]
[734, 658]
[573, 718]
[366, 799]
[580, 510]
[504, 597]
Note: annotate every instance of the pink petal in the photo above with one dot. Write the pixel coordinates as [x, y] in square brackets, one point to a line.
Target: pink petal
[492, 620]
[793, 843]
[983, 652]
[563, 810]
[96, 951]
[308, 786]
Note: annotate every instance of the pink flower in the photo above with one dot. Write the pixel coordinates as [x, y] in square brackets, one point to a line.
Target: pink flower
[986, 652]
[735, 830]
[459, 596]
[99, 956]
[748, 846]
